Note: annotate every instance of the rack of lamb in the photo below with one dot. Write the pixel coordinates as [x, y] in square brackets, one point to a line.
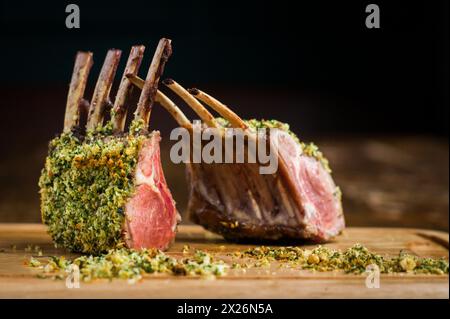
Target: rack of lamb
[299, 201]
[103, 188]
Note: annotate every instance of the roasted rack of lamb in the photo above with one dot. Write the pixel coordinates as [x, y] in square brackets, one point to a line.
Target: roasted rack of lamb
[299, 201]
[104, 188]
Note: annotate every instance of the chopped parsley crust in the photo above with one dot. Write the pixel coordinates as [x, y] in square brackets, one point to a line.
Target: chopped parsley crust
[85, 185]
[309, 149]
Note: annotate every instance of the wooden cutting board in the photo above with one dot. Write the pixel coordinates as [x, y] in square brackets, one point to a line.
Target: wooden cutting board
[20, 281]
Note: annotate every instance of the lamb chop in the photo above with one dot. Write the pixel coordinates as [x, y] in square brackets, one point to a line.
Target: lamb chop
[300, 201]
[105, 188]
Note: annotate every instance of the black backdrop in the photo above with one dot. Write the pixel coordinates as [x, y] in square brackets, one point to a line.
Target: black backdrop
[314, 64]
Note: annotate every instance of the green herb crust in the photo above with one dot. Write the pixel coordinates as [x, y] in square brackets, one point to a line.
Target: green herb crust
[84, 186]
[132, 265]
[309, 149]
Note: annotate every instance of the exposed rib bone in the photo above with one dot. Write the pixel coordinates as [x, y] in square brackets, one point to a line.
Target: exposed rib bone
[100, 99]
[162, 54]
[119, 114]
[220, 108]
[198, 108]
[162, 99]
[171, 107]
[83, 64]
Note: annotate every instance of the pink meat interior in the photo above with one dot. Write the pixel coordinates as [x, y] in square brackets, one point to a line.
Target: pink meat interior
[322, 209]
[151, 216]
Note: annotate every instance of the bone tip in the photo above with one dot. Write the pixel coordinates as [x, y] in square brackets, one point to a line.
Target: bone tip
[115, 52]
[168, 81]
[84, 59]
[167, 48]
[194, 91]
[84, 54]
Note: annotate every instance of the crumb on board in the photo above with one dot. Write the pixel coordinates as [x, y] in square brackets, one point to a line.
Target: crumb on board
[133, 265]
[353, 260]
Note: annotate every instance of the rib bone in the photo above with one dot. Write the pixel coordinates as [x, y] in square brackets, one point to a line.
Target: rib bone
[162, 99]
[119, 114]
[162, 54]
[198, 108]
[100, 99]
[220, 108]
[83, 64]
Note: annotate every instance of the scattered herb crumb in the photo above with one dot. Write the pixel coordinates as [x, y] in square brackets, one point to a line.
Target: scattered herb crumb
[34, 262]
[132, 265]
[186, 249]
[353, 260]
[230, 225]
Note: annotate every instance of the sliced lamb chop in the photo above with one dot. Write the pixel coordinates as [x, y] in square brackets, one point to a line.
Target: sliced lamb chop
[103, 190]
[300, 201]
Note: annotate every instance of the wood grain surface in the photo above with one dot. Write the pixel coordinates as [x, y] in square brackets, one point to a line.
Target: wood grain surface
[20, 281]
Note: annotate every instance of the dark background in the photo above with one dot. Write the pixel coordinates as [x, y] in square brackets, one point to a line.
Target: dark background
[375, 100]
